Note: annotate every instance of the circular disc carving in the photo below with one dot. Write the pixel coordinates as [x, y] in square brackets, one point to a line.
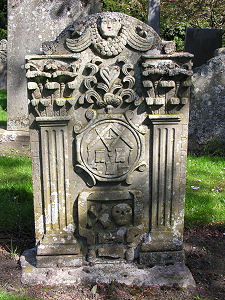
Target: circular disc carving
[110, 149]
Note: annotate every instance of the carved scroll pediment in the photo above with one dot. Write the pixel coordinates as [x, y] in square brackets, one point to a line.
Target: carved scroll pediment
[109, 35]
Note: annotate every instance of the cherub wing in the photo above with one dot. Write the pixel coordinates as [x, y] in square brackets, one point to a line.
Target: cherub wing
[139, 43]
[80, 44]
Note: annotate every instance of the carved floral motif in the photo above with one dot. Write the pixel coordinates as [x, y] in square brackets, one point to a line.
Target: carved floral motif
[52, 86]
[114, 87]
[166, 79]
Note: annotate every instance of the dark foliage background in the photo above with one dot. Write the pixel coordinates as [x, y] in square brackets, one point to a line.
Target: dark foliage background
[3, 19]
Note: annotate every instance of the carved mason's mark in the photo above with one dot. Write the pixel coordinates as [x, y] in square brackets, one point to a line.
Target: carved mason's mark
[113, 150]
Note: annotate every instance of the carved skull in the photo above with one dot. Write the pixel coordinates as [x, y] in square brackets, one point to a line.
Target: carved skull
[122, 214]
[110, 27]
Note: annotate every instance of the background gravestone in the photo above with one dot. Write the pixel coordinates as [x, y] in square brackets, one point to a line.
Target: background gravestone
[3, 64]
[207, 123]
[29, 24]
[202, 43]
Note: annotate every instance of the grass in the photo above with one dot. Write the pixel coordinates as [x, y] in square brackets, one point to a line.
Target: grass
[3, 108]
[16, 205]
[205, 195]
[5, 296]
[205, 191]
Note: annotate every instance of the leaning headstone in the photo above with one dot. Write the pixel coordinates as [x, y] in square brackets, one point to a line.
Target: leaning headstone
[3, 64]
[202, 43]
[109, 122]
[207, 122]
[29, 24]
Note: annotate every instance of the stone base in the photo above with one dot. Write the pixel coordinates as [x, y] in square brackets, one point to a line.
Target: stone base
[117, 271]
[14, 140]
[161, 258]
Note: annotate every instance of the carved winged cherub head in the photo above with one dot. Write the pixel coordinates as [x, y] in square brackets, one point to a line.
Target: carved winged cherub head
[109, 35]
[109, 27]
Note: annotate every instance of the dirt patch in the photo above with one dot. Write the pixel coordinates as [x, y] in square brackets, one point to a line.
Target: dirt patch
[204, 248]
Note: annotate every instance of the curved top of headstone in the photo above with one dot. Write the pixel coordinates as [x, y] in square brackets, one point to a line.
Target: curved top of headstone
[107, 34]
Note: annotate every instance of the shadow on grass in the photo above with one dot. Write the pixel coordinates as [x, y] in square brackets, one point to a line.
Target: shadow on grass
[16, 218]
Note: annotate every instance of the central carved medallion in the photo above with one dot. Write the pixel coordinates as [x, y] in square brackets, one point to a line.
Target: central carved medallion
[110, 150]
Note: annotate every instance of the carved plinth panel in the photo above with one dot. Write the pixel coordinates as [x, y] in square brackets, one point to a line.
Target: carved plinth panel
[108, 106]
[112, 222]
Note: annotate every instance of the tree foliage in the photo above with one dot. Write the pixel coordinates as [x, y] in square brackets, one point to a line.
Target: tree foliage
[3, 19]
[134, 8]
[175, 15]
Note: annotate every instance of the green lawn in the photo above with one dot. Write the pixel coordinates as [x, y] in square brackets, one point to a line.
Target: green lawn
[205, 191]
[6, 296]
[16, 205]
[3, 107]
[205, 195]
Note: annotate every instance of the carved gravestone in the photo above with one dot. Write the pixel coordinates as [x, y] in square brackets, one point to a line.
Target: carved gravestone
[108, 106]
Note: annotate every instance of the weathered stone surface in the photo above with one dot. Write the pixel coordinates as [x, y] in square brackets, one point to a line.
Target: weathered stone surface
[3, 64]
[11, 141]
[207, 111]
[162, 258]
[108, 105]
[177, 275]
[29, 24]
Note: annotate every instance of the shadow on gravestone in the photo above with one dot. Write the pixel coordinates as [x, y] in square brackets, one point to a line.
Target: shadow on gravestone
[202, 43]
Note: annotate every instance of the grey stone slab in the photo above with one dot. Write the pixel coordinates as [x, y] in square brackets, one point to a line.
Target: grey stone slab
[207, 123]
[3, 64]
[110, 271]
[154, 14]
[108, 103]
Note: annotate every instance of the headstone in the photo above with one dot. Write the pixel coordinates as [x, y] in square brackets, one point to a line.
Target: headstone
[109, 122]
[3, 64]
[207, 122]
[202, 43]
[29, 24]
[154, 15]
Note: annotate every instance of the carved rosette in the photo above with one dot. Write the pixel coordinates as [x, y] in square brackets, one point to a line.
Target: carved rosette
[110, 149]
